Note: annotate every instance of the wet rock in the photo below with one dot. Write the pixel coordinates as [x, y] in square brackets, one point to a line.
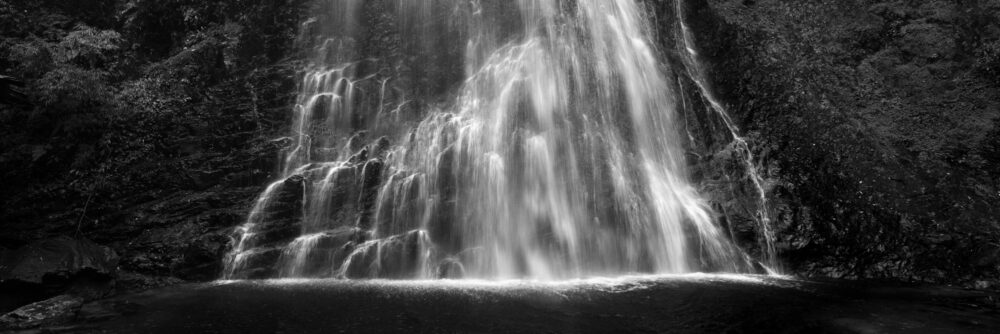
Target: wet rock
[450, 269]
[381, 146]
[356, 143]
[261, 263]
[371, 174]
[319, 255]
[371, 178]
[281, 219]
[447, 177]
[362, 68]
[400, 201]
[342, 196]
[48, 312]
[359, 157]
[394, 257]
[442, 227]
[320, 108]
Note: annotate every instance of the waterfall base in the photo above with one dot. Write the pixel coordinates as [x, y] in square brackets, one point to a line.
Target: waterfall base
[697, 303]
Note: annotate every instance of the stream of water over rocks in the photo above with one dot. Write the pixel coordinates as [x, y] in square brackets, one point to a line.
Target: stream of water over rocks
[558, 155]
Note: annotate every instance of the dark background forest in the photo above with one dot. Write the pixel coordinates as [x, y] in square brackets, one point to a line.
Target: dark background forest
[149, 126]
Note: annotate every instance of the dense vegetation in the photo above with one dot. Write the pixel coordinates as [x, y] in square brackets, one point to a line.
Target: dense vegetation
[144, 115]
[151, 125]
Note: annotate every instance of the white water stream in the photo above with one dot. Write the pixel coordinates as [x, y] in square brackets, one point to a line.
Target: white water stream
[558, 157]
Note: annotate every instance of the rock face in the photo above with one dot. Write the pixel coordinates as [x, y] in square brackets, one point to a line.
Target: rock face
[281, 239]
[183, 236]
[275, 221]
[54, 266]
[48, 312]
[872, 123]
[58, 261]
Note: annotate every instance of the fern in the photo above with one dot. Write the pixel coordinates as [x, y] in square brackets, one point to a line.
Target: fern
[87, 46]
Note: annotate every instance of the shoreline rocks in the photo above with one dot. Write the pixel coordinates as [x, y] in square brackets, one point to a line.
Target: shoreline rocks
[55, 266]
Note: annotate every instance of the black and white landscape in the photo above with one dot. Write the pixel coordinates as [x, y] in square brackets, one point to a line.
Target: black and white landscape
[550, 166]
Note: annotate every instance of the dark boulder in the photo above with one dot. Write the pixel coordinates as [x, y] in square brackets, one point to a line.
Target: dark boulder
[58, 258]
[53, 266]
[201, 260]
[49, 312]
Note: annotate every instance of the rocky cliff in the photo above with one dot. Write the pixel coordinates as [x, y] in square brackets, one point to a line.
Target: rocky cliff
[876, 123]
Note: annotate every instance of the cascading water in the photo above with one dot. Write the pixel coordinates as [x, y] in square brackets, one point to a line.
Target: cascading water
[559, 155]
[697, 74]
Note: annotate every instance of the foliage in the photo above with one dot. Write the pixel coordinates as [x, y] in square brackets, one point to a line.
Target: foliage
[135, 99]
[69, 88]
[87, 46]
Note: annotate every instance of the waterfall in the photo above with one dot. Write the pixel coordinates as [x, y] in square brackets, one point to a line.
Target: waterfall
[696, 72]
[557, 155]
